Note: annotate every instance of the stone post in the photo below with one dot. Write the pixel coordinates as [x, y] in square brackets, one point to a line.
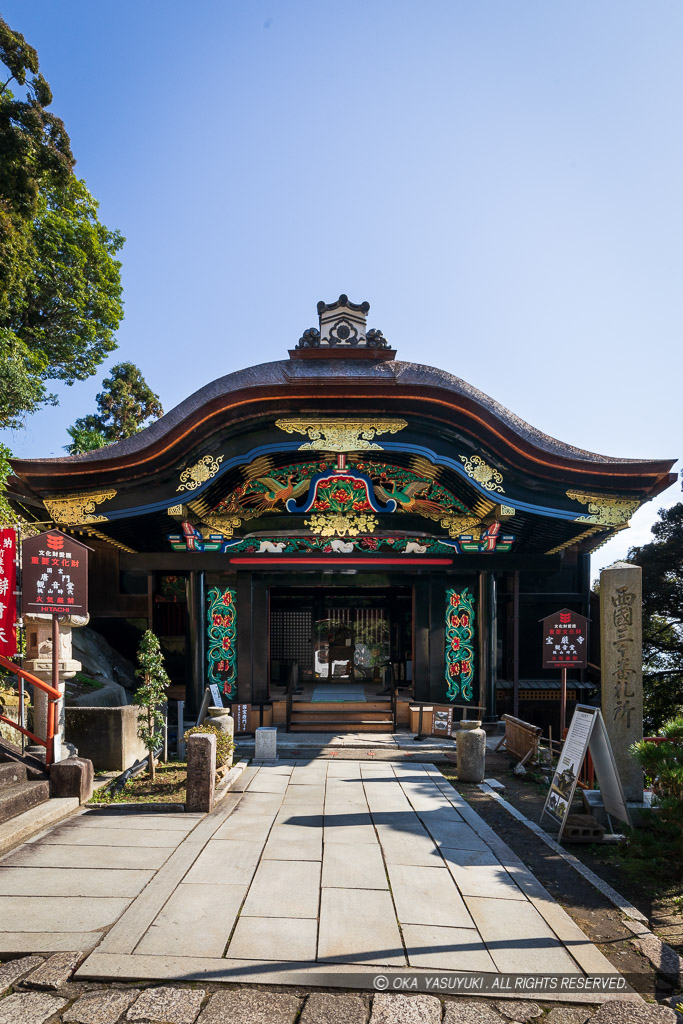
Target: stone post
[621, 651]
[201, 772]
[38, 662]
[470, 749]
[265, 743]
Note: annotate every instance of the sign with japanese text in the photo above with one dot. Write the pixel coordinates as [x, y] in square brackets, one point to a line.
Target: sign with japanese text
[8, 595]
[241, 715]
[54, 575]
[565, 640]
[587, 732]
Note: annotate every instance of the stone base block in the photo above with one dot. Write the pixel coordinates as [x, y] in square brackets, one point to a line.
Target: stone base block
[72, 777]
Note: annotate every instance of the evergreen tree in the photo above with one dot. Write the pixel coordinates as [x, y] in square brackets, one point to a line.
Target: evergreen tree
[125, 405]
[151, 695]
[662, 563]
[60, 288]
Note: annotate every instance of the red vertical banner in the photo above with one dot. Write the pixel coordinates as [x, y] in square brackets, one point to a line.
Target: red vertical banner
[8, 596]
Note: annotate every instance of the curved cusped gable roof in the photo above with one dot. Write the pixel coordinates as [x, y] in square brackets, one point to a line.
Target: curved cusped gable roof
[330, 384]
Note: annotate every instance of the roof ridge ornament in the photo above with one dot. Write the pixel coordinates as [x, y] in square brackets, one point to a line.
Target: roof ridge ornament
[343, 325]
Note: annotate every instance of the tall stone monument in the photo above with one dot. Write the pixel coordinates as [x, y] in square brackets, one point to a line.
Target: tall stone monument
[621, 650]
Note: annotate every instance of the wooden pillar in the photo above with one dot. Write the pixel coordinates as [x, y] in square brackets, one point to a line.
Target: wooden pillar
[486, 647]
[196, 623]
[421, 618]
[515, 644]
[437, 638]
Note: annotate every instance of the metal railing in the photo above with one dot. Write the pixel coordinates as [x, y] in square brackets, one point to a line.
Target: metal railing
[53, 698]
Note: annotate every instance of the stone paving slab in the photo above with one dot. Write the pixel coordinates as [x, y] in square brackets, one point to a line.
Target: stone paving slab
[47, 942]
[172, 1005]
[427, 896]
[232, 897]
[81, 913]
[30, 881]
[231, 860]
[100, 857]
[103, 1007]
[274, 938]
[156, 821]
[327, 1008]
[341, 869]
[15, 970]
[284, 889]
[393, 1008]
[359, 926]
[519, 942]
[196, 917]
[30, 1007]
[74, 835]
[480, 873]
[446, 948]
[54, 972]
[251, 1008]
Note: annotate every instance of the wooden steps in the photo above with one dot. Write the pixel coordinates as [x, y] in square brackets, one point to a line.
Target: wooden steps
[341, 716]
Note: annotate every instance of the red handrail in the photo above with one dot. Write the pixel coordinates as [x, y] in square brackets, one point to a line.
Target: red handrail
[53, 697]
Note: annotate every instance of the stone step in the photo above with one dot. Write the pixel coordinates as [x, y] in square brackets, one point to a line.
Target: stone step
[11, 774]
[345, 725]
[20, 797]
[37, 819]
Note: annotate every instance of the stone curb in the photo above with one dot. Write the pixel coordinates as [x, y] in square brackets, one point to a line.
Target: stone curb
[226, 783]
[663, 958]
[620, 902]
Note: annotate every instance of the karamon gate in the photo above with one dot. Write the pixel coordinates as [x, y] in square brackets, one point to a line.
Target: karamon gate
[337, 527]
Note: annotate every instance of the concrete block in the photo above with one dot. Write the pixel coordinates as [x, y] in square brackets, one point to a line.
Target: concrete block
[106, 736]
[72, 777]
[201, 772]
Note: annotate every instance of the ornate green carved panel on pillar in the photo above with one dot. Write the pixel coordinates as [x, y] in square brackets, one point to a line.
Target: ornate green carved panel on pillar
[460, 644]
[221, 648]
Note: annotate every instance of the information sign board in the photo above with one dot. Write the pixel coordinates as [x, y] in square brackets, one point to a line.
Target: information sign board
[54, 575]
[215, 696]
[565, 640]
[586, 732]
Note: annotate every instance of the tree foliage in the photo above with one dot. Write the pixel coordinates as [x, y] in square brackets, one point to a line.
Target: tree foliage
[662, 563]
[125, 405]
[151, 695]
[60, 288]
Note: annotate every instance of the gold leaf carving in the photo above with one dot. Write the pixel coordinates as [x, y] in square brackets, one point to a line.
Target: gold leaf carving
[338, 435]
[341, 525]
[176, 510]
[77, 508]
[604, 510]
[483, 474]
[457, 525]
[204, 470]
[223, 524]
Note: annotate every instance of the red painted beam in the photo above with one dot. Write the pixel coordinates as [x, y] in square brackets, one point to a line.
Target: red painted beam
[303, 560]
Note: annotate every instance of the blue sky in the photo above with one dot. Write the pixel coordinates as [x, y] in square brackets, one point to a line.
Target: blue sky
[501, 180]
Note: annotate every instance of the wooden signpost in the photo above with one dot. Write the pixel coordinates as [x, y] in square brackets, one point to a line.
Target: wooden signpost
[565, 645]
[587, 732]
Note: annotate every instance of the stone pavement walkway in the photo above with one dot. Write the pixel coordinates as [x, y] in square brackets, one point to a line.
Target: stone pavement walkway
[316, 868]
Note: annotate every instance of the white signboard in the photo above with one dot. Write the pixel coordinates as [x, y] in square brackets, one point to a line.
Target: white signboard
[216, 696]
[586, 733]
